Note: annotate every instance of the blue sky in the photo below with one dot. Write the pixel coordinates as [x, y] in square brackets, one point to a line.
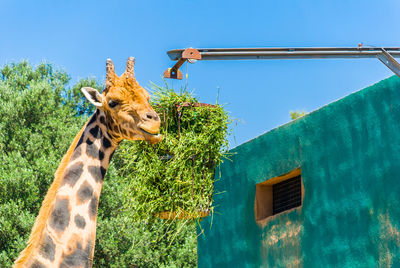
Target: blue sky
[78, 36]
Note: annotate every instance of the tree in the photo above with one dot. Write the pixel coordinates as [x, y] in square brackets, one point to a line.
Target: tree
[297, 114]
[37, 124]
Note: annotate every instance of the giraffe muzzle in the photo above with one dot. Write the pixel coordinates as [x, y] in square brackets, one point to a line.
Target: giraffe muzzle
[152, 138]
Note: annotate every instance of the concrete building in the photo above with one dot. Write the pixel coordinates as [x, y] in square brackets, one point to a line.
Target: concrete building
[343, 160]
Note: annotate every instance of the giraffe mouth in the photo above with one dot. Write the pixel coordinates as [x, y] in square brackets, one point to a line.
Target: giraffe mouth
[149, 133]
[151, 138]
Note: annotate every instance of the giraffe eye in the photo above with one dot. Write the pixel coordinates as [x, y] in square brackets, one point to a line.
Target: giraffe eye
[112, 103]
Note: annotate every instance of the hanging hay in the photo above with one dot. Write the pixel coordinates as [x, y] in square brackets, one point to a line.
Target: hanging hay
[174, 179]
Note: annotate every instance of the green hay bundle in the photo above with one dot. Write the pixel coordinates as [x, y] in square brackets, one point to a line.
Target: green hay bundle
[175, 178]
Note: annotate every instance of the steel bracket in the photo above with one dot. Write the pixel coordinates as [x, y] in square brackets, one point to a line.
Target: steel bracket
[389, 61]
[187, 54]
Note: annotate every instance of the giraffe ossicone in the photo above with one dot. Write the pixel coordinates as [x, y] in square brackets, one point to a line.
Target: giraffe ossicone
[65, 230]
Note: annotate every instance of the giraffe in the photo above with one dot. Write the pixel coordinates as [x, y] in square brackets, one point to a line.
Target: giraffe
[65, 229]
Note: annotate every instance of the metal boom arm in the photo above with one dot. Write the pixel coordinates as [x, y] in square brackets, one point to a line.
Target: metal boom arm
[385, 55]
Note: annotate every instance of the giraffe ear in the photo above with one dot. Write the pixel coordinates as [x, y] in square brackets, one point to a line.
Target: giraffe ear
[93, 96]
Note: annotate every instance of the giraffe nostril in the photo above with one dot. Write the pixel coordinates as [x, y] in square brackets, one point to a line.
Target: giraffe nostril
[152, 116]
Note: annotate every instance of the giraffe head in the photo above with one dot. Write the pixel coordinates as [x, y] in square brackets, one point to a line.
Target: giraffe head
[126, 106]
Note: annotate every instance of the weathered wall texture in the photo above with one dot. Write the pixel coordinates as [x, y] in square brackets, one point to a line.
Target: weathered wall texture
[349, 154]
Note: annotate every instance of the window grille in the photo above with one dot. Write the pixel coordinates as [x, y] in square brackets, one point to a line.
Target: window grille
[286, 195]
[278, 194]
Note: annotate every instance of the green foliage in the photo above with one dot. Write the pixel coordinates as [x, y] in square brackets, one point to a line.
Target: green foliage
[297, 114]
[177, 174]
[126, 242]
[40, 116]
[123, 240]
[37, 125]
[74, 95]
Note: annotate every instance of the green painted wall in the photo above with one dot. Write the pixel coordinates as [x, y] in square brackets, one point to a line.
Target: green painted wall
[349, 153]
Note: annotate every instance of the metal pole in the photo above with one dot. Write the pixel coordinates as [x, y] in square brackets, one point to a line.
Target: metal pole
[386, 55]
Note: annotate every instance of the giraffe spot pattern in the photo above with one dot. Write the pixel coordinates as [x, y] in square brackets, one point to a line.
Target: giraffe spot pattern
[106, 143]
[107, 134]
[92, 119]
[89, 142]
[93, 151]
[97, 172]
[101, 155]
[59, 218]
[72, 174]
[47, 249]
[37, 264]
[77, 153]
[80, 221]
[93, 207]
[85, 192]
[79, 257]
[96, 132]
[80, 141]
[109, 118]
[102, 120]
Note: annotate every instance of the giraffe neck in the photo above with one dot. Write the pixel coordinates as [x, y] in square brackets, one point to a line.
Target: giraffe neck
[66, 237]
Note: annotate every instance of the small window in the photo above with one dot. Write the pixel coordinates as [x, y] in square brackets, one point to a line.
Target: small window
[278, 195]
[286, 195]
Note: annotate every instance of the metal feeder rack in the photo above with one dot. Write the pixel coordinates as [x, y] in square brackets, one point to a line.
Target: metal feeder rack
[201, 213]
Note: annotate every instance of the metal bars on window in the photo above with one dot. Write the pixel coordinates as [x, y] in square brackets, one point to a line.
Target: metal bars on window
[286, 195]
